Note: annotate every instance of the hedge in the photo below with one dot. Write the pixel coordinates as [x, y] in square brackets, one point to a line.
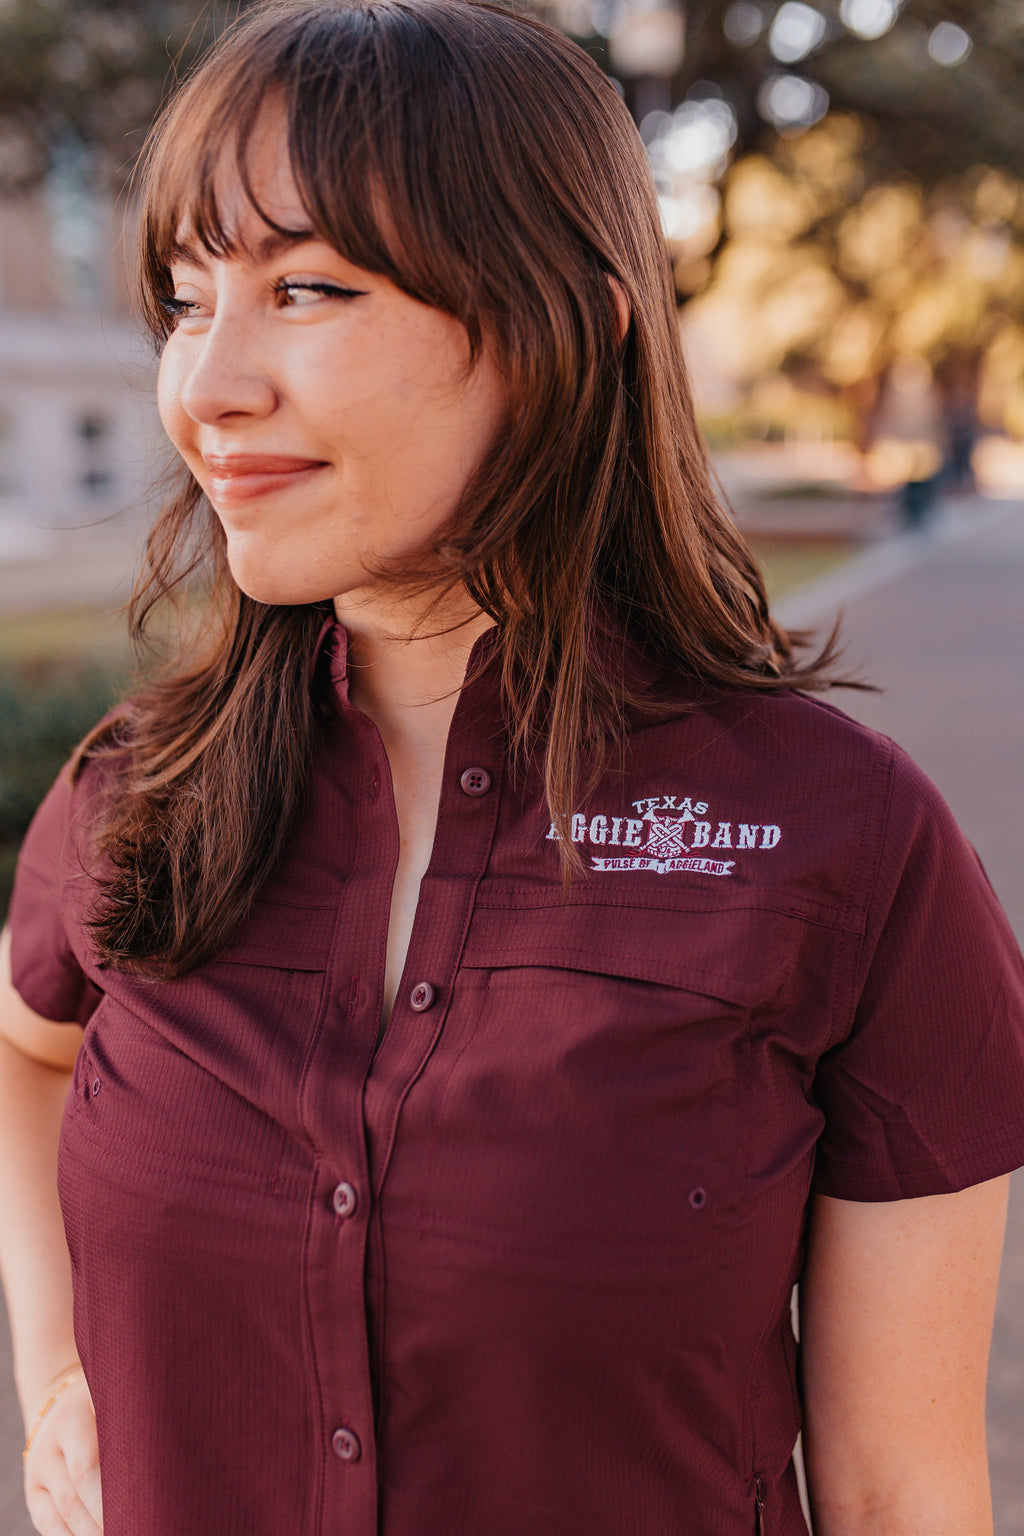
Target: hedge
[43, 715]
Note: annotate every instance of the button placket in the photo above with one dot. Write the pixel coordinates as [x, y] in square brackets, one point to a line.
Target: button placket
[331, 1108]
[467, 820]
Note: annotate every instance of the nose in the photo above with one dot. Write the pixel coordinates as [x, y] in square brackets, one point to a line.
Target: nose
[225, 374]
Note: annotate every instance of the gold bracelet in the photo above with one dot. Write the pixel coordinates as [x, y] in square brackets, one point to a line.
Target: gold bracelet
[67, 1380]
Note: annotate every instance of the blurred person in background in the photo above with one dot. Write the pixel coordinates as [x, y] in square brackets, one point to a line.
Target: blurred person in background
[501, 978]
[957, 379]
[909, 425]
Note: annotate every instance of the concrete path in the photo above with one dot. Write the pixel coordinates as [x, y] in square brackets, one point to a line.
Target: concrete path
[938, 621]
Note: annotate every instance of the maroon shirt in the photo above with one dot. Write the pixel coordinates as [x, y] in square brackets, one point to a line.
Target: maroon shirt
[523, 1267]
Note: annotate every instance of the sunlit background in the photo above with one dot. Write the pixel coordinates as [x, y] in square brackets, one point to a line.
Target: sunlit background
[840, 191]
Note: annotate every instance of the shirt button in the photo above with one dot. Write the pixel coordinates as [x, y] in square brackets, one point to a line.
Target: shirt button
[475, 781]
[421, 997]
[345, 1445]
[345, 1200]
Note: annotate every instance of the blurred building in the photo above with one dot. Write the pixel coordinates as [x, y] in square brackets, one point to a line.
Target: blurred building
[77, 421]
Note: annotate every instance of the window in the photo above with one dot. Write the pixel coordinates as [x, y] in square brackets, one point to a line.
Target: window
[93, 431]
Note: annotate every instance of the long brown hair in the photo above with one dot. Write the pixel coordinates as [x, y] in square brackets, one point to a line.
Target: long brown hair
[484, 164]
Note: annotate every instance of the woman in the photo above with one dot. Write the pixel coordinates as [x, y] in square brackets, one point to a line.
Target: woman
[501, 980]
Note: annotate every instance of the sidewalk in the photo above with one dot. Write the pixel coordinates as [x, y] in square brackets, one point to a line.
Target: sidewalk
[938, 621]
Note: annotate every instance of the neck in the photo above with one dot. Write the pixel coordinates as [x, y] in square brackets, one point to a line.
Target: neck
[405, 664]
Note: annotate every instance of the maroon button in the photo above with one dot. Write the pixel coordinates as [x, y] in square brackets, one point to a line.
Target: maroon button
[345, 1445]
[345, 1199]
[421, 997]
[475, 781]
[698, 1198]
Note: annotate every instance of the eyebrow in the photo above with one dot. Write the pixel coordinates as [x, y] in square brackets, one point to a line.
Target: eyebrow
[272, 244]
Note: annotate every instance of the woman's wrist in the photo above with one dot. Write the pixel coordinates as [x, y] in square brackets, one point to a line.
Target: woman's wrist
[48, 1396]
[69, 1377]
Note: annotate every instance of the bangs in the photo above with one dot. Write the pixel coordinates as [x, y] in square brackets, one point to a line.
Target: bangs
[350, 142]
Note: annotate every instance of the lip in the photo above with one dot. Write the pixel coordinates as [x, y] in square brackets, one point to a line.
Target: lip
[233, 478]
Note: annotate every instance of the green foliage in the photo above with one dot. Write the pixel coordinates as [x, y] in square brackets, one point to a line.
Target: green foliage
[94, 74]
[44, 714]
[95, 71]
[923, 119]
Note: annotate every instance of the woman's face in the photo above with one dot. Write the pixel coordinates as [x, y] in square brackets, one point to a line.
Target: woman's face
[331, 419]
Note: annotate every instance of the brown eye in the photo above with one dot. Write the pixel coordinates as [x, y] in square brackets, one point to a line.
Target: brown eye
[297, 295]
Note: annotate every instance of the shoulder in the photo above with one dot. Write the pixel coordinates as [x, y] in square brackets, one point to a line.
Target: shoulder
[795, 744]
[52, 964]
[845, 806]
[796, 719]
[816, 744]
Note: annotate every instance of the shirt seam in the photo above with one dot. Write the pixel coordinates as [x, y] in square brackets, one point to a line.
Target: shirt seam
[640, 968]
[831, 918]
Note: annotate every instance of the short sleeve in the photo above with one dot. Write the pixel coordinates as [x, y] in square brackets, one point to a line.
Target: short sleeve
[44, 966]
[925, 1093]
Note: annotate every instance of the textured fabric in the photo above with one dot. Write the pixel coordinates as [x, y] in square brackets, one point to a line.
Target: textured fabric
[522, 1267]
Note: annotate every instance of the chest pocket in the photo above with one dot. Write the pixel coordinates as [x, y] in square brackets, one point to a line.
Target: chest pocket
[601, 1064]
[196, 1074]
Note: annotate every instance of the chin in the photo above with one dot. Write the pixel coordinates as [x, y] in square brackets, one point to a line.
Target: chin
[284, 589]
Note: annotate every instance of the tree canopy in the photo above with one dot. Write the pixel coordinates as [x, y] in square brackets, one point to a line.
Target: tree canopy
[98, 71]
[92, 74]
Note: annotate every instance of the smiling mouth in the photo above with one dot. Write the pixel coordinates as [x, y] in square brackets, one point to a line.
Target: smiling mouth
[243, 477]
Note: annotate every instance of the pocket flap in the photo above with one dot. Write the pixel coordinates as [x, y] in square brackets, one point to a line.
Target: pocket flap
[291, 937]
[740, 954]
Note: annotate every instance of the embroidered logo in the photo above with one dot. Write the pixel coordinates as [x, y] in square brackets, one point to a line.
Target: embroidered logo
[665, 844]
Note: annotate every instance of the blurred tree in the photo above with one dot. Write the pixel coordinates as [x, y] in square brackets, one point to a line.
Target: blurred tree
[827, 280]
[91, 75]
[842, 187]
[938, 80]
[97, 70]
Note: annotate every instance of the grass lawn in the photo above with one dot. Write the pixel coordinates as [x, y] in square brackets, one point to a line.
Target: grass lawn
[90, 636]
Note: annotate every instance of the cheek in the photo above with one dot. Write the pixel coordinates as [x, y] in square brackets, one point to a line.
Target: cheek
[168, 396]
[459, 413]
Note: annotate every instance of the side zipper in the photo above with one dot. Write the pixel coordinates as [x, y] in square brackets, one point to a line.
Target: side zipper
[759, 1506]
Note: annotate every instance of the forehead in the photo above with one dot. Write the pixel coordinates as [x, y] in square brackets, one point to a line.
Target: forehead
[223, 185]
[257, 201]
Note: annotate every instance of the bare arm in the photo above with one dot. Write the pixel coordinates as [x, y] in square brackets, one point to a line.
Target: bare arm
[36, 1057]
[896, 1310]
